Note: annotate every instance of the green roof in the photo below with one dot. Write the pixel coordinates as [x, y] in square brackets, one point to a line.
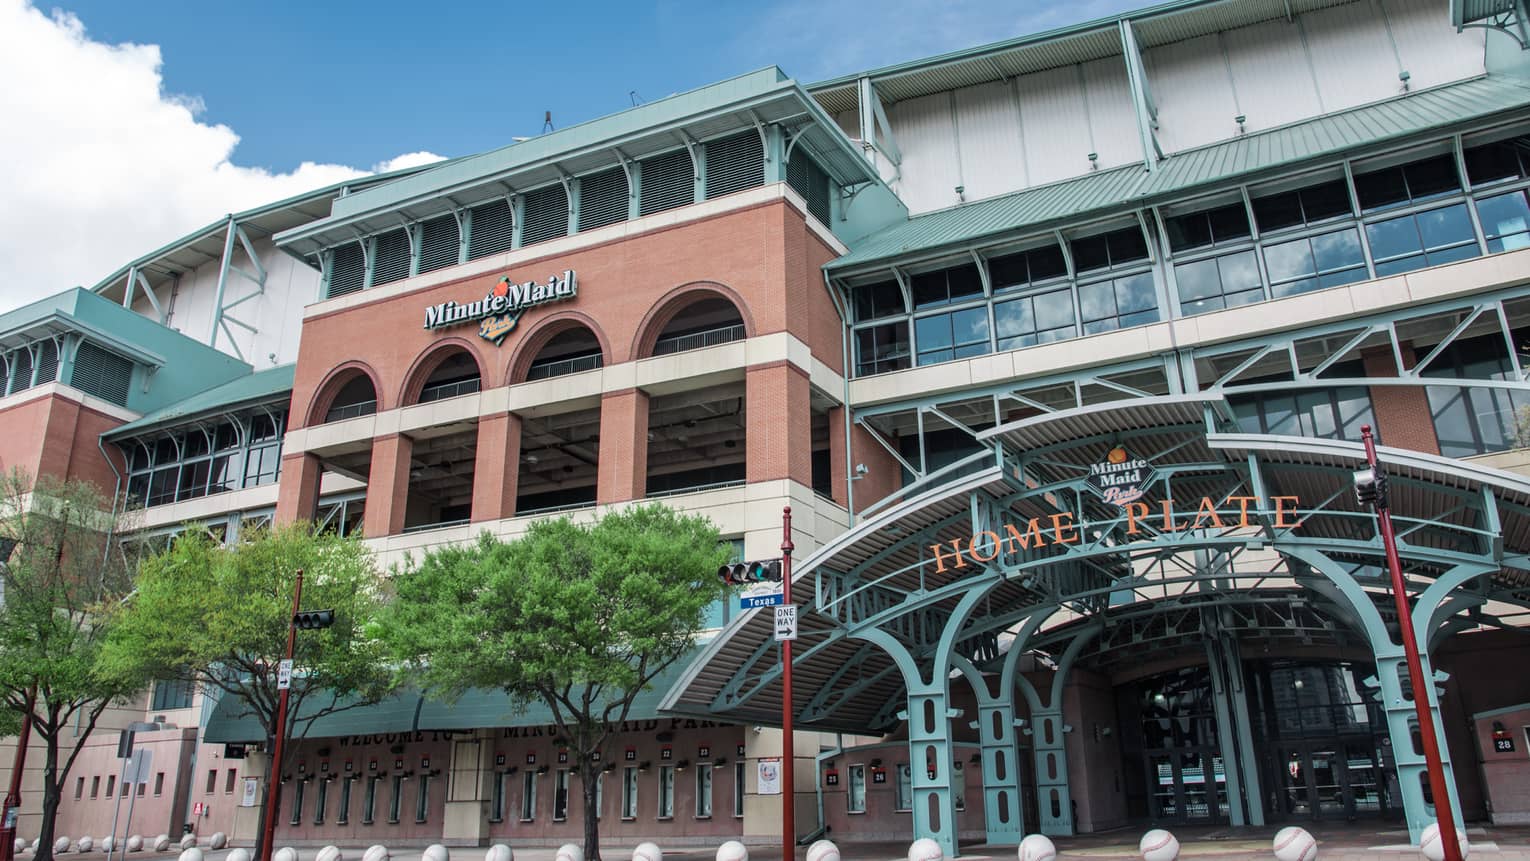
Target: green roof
[258, 387]
[1243, 158]
[410, 710]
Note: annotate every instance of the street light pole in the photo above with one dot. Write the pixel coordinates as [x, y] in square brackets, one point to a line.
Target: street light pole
[1423, 689]
[274, 783]
[12, 803]
[789, 801]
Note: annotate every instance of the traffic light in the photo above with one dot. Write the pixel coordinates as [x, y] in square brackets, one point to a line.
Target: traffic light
[1371, 487]
[311, 619]
[763, 571]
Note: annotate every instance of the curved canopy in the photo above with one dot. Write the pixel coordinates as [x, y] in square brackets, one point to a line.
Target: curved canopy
[1147, 519]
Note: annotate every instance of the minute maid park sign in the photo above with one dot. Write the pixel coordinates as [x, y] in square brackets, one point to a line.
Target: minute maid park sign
[497, 313]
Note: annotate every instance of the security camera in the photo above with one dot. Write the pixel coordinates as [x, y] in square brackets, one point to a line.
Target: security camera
[860, 469]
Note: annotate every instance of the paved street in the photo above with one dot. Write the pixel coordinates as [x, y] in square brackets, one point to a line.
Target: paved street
[1352, 843]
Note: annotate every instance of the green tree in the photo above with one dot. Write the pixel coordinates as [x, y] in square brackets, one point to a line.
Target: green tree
[580, 618]
[217, 616]
[61, 592]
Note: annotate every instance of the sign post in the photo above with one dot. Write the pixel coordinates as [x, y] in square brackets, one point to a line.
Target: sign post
[1371, 487]
[274, 765]
[789, 797]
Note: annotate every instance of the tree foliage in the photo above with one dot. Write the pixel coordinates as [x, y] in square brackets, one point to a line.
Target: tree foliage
[62, 590]
[578, 617]
[217, 616]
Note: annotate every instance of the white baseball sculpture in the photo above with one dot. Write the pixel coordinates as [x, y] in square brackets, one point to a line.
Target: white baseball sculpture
[732, 851]
[85, 844]
[925, 849]
[1294, 843]
[1037, 847]
[328, 853]
[434, 852]
[191, 853]
[33, 845]
[20, 845]
[823, 850]
[135, 843]
[108, 843]
[286, 853]
[162, 842]
[218, 840]
[1158, 845]
[61, 845]
[1433, 848]
[570, 852]
[647, 852]
[188, 841]
[499, 852]
[240, 854]
[375, 852]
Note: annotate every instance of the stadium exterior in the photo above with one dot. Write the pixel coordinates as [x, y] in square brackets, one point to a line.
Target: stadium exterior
[1058, 348]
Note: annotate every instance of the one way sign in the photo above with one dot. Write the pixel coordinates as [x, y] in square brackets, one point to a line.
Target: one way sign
[786, 622]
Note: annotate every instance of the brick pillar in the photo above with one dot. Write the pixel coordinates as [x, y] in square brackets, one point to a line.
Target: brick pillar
[779, 424]
[388, 486]
[1402, 413]
[297, 496]
[57, 444]
[837, 458]
[623, 471]
[496, 467]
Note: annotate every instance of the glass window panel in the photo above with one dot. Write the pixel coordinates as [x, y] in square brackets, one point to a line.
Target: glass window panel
[1341, 277]
[1013, 319]
[1047, 262]
[1505, 214]
[195, 444]
[1135, 293]
[877, 300]
[964, 281]
[1381, 188]
[1054, 310]
[1008, 271]
[1448, 225]
[1202, 306]
[1097, 301]
[1492, 162]
[1393, 238]
[1239, 271]
[1432, 177]
[1228, 222]
[929, 288]
[969, 328]
[1278, 211]
[1198, 280]
[1188, 231]
[1325, 200]
[933, 333]
[1090, 252]
[1289, 260]
[1126, 245]
[1337, 250]
[1292, 288]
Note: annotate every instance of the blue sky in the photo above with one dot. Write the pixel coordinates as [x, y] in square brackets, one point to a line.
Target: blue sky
[357, 83]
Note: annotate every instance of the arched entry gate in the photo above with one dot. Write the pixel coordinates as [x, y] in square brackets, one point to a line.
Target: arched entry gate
[1131, 525]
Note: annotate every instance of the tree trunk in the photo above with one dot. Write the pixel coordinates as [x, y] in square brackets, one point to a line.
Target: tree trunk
[589, 776]
[50, 800]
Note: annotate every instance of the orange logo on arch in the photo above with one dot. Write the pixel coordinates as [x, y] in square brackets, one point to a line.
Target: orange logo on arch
[1116, 455]
[501, 289]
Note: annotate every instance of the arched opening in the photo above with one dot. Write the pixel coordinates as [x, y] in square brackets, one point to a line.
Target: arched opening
[573, 350]
[356, 397]
[456, 374]
[560, 457]
[706, 322]
[696, 440]
[441, 477]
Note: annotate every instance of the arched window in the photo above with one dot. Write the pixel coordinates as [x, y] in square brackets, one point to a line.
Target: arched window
[706, 322]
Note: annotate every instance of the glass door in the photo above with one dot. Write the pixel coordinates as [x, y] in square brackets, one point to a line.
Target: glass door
[1163, 790]
[1364, 783]
[1327, 783]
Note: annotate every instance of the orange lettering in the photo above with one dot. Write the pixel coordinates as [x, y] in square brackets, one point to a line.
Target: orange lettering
[940, 558]
[1168, 517]
[1207, 507]
[1134, 510]
[1059, 528]
[1243, 502]
[1024, 539]
[1280, 512]
[993, 541]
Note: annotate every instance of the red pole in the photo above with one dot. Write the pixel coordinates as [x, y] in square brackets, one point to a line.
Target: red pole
[12, 803]
[274, 783]
[789, 802]
[1423, 689]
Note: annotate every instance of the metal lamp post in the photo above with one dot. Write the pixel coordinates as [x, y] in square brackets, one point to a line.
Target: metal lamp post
[12, 804]
[1371, 489]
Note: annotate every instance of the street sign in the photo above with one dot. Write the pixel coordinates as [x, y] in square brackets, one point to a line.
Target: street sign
[284, 675]
[251, 792]
[769, 599]
[139, 765]
[786, 622]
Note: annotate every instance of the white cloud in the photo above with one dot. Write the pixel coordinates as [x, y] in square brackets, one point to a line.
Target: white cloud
[99, 165]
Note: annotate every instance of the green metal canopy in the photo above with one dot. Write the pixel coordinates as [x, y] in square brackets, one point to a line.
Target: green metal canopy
[250, 389]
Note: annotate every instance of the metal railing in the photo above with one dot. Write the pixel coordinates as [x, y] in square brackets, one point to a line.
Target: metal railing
[563, 367]
[695, 488]
[351, 411]
[442, 391]
[445, 524]
[553, 509]
[697, 340]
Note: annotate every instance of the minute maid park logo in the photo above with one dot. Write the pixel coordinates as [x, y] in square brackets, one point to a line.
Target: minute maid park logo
[497, 313]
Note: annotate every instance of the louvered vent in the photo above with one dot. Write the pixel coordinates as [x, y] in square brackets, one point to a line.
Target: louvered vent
[438, 243]
[602, 198]
[808, 179]
[392, 261]
[735, 163]
[666, 181]
[22, 376]
[347, 270]
[102, 373]
[47, 362]
[489, 231]
[546, 212]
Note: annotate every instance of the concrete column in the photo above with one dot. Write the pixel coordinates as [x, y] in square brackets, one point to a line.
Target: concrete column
[388, 486]
[931, 763]
[623, 471]
[297, 496]
[496, 467]
[779, 424]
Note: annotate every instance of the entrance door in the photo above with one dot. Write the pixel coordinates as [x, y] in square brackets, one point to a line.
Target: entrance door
[1186, 785]
[1334, 781]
